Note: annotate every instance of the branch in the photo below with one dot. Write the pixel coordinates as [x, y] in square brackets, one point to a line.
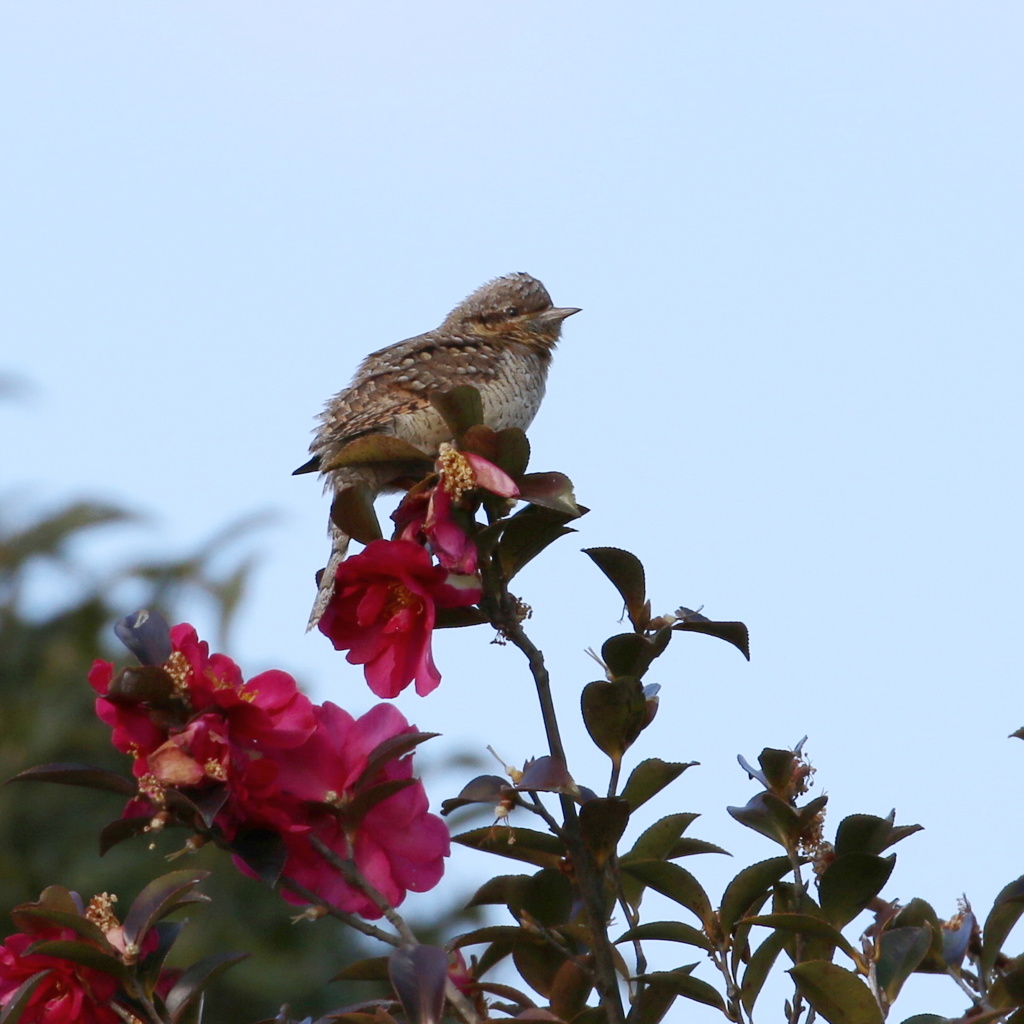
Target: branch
[503, 612]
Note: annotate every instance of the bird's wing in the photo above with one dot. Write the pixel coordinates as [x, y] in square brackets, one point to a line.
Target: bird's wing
[400, 378]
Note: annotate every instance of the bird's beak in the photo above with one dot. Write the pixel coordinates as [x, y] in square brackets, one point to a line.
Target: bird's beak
[556, 314]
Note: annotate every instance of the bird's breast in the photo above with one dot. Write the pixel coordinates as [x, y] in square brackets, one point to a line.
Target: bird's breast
[510, 398]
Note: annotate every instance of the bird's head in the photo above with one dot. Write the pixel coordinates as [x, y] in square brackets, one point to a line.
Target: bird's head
[515, 307]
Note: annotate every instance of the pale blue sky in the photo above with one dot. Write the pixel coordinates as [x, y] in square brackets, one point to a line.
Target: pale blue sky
[795, 230]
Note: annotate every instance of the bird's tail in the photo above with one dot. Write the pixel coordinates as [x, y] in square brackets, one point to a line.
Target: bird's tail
[339, 547]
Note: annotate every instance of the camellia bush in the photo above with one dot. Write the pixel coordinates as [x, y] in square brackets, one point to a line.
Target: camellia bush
[326, 809]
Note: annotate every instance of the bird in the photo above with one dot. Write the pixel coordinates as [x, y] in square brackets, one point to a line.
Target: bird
[499, 339]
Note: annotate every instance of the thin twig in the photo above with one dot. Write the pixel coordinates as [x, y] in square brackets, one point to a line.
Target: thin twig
[352, 874]
[350, 919]
[459, 1003]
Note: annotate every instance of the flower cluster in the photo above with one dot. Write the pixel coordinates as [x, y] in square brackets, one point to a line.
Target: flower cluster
[69, 994]
[385, 599]
[235, 758]
[67, 983]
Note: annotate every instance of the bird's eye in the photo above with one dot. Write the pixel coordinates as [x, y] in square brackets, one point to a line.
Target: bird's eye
[511, 311]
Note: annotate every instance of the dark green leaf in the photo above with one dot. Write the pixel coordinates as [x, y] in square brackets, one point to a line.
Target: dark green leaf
[758, 968]
[602, 822]
[750, 888]
[492, 933]
[455, 618]
[778, 767]
[688, 847]
[651, 1005]
[850, 882]
[920, 914]
[547, 897]
[374, 448]
[674, 882]
[522, 844]
[838, 995]
[526, 534]
[626, 573]
[513, 451]
[374, 795]
[418, 974]
[682, 983]
[902, 950]
[866, 833]
[631, 654]
[1005, 912]
[372, 969]
[193, 981]
[536, 962]
[771, 816]
[734, 633]
[805, 924]
[353, 513]
[263, 851]
[650, 777]
[390, 750]
[667, 931]
[927, 1018]
[460, 408]
[614, 714]
[653, 844]
[657, 840]
[503, 889]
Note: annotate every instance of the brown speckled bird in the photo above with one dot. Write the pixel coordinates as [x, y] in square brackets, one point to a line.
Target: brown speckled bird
[499, 340]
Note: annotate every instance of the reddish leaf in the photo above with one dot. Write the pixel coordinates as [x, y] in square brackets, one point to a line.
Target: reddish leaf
[735, 633]
[353, 513]
[374, 448]
[418, 974]
[189, 988]
[158, 899]
[484, 789]
[626, 573]
[460, 408]
[549, 490]
[19, 998]
[547, 775]
[70, 773]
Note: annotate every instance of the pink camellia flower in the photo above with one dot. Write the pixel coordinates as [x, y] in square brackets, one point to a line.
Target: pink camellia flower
[436, 516]
[383, 612]
[70, 994]
[394, 842]
[192, 724]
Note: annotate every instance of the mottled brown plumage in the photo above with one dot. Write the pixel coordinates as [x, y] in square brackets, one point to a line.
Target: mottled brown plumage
[499, 340]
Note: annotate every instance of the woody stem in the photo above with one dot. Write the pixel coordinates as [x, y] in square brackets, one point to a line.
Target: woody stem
[504, 613]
